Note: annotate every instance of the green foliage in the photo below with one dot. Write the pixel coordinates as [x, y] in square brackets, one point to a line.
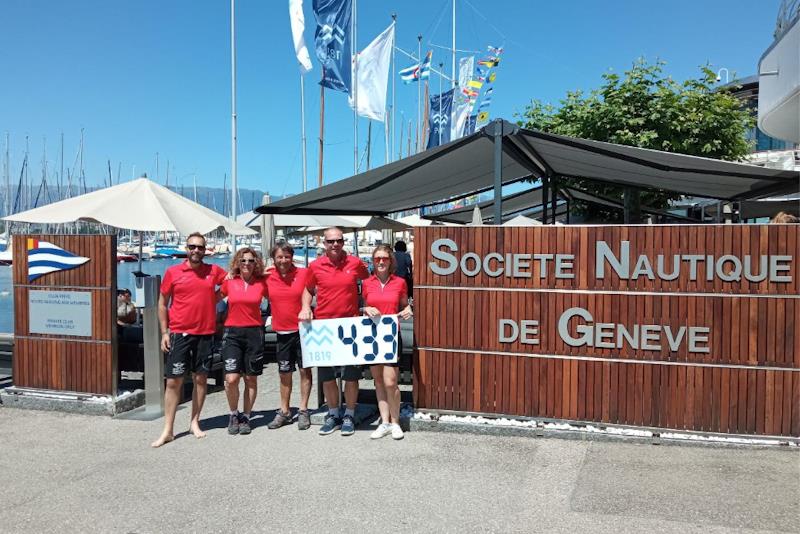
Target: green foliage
[646, 109]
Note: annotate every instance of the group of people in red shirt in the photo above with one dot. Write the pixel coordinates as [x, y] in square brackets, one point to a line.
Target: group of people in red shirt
[187, 313]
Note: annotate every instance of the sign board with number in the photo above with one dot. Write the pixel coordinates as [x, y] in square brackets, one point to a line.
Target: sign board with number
[349, 341]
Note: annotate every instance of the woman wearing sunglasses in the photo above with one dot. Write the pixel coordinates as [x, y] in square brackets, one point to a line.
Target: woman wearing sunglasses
[384, 293]
[243, 337]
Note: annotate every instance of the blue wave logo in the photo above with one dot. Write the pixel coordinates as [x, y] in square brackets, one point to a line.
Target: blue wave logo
[318, 337]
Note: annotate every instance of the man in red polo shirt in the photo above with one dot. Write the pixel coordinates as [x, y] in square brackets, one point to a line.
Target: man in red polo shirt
[334, 278]
[187, 328]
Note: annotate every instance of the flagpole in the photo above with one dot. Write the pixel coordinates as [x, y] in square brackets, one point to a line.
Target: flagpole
[394, 76]
[369, 142]
[441, 66]
[453, 81]
[303, 130]
[419, 93]
[321, 127]
[354, 84]
[234, 184]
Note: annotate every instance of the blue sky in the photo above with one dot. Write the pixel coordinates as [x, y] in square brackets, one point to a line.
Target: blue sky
[149, 76]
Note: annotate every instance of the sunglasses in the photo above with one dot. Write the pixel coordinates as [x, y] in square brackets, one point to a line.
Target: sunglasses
[244, 260]
[332, 241]
[196, 247]
[381, 260]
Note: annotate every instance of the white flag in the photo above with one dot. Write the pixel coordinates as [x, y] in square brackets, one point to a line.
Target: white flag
[465, 66]
[298, 27]
[460, 116]
[373, 76]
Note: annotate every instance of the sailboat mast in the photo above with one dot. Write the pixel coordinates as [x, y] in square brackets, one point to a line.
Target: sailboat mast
[82, 176]
[61, 171]
[234, 183]
[402, 128]
[7, 203]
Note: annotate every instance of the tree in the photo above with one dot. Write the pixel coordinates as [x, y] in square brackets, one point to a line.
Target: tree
[646, 109]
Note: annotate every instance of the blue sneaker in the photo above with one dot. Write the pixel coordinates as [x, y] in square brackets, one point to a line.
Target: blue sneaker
[331, 425]
[348, 426]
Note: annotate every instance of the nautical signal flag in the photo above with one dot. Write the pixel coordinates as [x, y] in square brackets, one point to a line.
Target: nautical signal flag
[492, 77]
[491, 62]
[44, 258]
[471, 93]
[421, 71]
[483, 116]
[495, 51]
[475, 84]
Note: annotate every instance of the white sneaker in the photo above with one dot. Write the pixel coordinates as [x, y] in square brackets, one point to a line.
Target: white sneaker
[397, 432]
[384, 429]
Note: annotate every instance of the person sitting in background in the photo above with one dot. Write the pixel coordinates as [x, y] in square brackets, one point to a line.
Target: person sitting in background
[126, 311]
[403, 265]
[785, 218]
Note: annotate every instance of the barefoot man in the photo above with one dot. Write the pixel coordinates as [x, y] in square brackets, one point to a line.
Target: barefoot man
[187, 327]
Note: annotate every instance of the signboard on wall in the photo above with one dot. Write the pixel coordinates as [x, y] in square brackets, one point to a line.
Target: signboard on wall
[349, 341]
[686, 326]
[65, 313]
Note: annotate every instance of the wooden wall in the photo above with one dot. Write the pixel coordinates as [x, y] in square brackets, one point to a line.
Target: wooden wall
[68, 363]
[748, 382]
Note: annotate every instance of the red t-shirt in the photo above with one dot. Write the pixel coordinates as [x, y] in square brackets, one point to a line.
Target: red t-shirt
[286, 297]
[194, 297]
[337, 292]
[244, 301]
[386, 298]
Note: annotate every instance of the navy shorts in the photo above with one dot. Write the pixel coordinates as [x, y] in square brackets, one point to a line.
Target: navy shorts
[188, 352]
[243, 350]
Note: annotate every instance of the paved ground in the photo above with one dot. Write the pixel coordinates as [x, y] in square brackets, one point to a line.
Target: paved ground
[71, 473]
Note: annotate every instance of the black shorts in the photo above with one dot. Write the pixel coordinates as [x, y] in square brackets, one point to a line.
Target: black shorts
[188, 352]
[243, 350]
[349, 373]
[288, 352]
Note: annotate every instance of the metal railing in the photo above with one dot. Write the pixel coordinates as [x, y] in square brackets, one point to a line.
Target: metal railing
[788, 12]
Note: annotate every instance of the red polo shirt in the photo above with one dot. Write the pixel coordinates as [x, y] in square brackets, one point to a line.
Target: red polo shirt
[386, 298]
[194, 297]
[286, 297]
[337, 292]
[244, 301]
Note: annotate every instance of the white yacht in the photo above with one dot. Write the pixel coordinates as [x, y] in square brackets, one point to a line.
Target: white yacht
[779, 77]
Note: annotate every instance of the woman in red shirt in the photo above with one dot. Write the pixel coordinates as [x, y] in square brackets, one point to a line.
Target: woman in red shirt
[384, 293]
[243, 338]
[286, 284]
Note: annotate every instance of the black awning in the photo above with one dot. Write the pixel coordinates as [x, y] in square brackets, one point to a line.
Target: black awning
[466, 166]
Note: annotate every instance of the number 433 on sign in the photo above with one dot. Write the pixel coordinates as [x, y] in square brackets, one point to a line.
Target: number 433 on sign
[349, 341]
